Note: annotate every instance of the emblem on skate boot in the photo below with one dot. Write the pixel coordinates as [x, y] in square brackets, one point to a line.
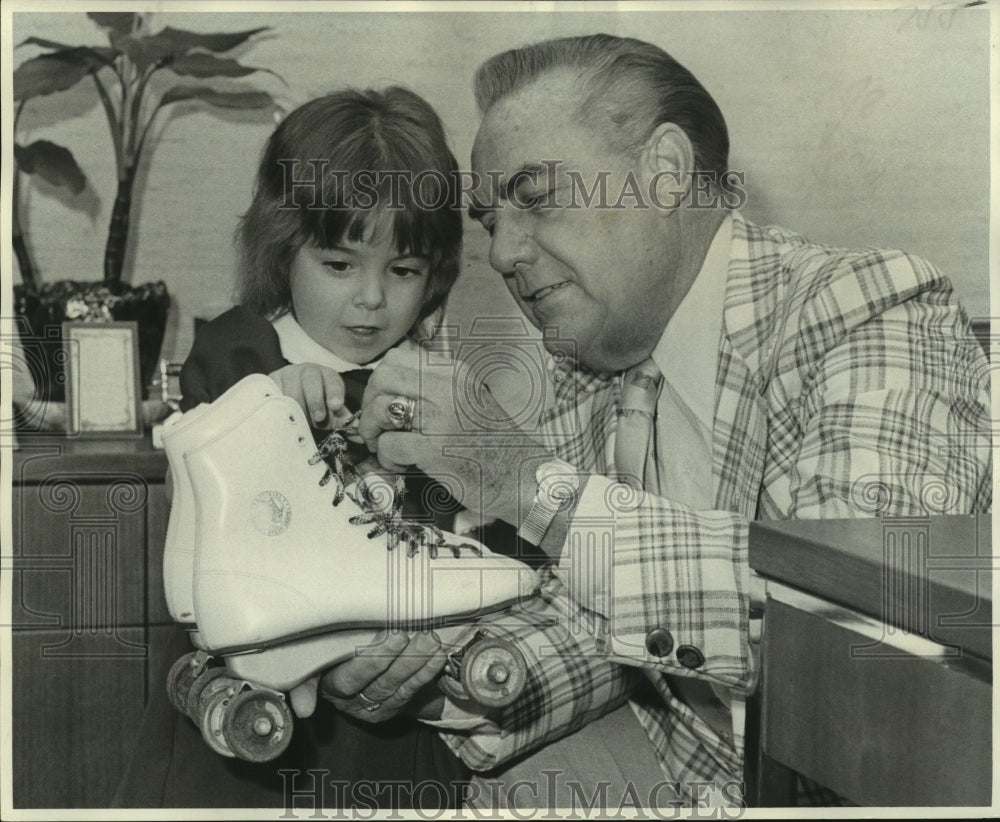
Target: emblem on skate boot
[270, 513]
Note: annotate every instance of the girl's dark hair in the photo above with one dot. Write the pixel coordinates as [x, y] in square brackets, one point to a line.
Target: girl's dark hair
[331, 167]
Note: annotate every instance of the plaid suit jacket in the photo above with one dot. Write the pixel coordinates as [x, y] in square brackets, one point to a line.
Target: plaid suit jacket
[848, 384]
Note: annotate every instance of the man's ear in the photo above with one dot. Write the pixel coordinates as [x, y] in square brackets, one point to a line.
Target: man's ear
[668, 160]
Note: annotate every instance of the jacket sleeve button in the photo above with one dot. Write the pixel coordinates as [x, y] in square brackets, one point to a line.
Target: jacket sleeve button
[690, 657]
[659, 642]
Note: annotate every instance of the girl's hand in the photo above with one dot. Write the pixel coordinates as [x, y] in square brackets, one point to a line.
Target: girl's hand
[318, 389]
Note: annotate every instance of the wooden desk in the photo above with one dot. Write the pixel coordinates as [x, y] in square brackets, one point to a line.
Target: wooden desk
[89, 519]
[876, 661]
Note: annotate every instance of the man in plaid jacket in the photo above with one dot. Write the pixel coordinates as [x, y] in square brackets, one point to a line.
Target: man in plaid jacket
[800, 381]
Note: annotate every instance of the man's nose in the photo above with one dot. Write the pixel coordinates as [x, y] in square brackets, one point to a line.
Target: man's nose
[511, 243]
[371, 291]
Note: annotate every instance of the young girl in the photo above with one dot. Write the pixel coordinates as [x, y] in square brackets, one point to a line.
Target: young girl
[341, 260]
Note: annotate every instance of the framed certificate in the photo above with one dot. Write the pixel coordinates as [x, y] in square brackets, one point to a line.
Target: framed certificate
[103, 394]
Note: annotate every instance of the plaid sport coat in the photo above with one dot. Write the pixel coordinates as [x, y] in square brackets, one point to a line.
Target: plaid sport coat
[848, 384]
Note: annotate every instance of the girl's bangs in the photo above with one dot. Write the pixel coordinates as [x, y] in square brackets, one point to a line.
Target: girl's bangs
[417, 229]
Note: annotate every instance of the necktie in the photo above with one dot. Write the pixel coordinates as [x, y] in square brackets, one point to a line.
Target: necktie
[354, 389]
[636, 462]
[636, 413]
[354, 386]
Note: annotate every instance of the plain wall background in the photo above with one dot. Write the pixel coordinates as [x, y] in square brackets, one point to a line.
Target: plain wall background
[852, 127]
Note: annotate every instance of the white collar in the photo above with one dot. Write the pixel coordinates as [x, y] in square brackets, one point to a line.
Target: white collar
[298, 347]
[688, 351]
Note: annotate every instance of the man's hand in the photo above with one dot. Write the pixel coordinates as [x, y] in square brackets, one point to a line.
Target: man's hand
[318, 389]
[489, 470]
[380, 681]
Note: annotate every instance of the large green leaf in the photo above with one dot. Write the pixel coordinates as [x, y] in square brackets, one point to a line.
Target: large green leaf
[143, 51]
[41, 41]
[52, 163]
[222, 99]
[182, 41]
[121, 21]
[199, 64]
[99, 54]
[57, 71]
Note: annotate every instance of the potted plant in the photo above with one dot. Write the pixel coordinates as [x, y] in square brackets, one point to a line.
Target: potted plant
[121, 74]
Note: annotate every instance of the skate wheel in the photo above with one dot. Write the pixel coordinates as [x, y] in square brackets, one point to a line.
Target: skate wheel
[192, 705]
[493, 673]
[214, 706]
[258, 725]
[179, 681]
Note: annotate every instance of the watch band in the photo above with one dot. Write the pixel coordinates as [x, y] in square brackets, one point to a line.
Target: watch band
[558, 482]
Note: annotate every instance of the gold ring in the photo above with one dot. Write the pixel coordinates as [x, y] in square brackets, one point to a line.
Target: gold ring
[370, 705]
[400, 412]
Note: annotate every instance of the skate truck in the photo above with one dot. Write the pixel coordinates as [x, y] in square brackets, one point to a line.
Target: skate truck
[281, 560]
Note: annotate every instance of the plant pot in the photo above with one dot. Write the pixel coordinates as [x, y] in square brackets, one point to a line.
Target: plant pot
[43, 310]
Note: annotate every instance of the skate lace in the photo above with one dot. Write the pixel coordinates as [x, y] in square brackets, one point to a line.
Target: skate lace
[387, 520]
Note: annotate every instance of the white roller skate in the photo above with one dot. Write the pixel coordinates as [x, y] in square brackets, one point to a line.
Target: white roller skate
[180, 433]
[299, 563]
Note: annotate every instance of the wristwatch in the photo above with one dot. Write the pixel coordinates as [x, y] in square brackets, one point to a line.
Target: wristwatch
[558, 484]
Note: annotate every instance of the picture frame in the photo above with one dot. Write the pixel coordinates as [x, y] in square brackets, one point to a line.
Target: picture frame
[103, 391]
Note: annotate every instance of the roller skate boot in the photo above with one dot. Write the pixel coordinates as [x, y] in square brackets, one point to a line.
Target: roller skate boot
[181, 433]
[300, 561]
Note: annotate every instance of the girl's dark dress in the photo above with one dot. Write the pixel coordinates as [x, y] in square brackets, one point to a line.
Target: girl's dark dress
[399, 763]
